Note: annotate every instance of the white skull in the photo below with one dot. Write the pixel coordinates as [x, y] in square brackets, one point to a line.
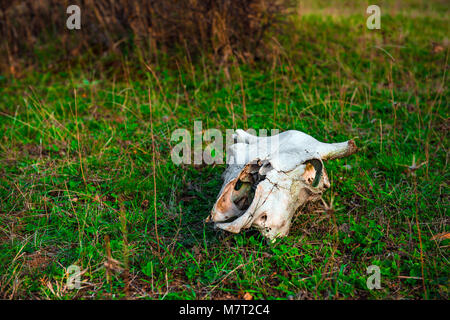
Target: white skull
[269, 178]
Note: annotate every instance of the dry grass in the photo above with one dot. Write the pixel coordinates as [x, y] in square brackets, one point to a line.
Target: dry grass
[219, 29]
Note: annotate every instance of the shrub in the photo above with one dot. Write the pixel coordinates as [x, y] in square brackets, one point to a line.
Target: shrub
[219, 28]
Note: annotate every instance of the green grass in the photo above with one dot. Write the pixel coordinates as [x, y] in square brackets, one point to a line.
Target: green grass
[76, 165]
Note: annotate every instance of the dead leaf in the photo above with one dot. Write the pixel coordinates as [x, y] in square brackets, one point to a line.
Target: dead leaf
[248, 296]
[441, 236]
[438, 49]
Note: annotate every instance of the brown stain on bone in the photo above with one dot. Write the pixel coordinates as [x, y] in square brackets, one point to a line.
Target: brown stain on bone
[310, 173]
[225, 204]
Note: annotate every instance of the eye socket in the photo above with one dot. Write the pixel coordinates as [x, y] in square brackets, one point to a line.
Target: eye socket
[238, 185]
[247, 182]
[313, 172]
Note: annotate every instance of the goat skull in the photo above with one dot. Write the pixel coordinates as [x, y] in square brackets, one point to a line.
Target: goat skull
[269, 178]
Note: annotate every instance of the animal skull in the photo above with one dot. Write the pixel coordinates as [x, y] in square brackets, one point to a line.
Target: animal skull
[269, 178]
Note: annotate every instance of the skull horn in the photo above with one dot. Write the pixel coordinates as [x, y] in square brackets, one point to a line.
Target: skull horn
[331, 151]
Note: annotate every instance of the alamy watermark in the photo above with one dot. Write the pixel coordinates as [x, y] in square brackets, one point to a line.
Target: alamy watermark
[208, 145]
[374, 280]
[74, 20]
[74, 277]
[374, 20]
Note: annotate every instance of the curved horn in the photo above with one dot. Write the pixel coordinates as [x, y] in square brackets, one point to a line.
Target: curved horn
[330, 151]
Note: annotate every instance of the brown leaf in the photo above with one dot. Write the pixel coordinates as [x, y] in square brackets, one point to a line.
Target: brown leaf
[248, 296]
[438, 49]
[441, 236]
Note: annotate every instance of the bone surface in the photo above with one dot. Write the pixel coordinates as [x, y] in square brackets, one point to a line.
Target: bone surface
[269, 178]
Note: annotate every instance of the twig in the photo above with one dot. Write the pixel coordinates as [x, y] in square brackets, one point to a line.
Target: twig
[154, 168]
[417, 223]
